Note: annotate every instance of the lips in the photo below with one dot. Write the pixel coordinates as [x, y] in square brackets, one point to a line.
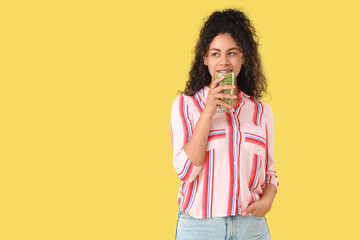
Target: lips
[224, 70]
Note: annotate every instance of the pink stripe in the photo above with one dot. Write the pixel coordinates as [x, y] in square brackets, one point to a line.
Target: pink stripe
[187, 114]
[197, 186]
[201, 99]
[183, 121]
[205, 184]
[184, 167]
[252, 176]
[258, 180]
[267, 151]
[196, 104]
[220, 136]
[231, 163]
[219, 130]
[172, 135]
[212, 184]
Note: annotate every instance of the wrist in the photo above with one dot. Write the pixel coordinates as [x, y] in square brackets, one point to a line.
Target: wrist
[207, 113]
[266, 203]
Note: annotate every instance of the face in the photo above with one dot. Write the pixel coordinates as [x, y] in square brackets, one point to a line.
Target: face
[224, 55]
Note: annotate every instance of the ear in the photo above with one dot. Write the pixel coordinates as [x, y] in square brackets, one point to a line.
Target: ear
[205, 61]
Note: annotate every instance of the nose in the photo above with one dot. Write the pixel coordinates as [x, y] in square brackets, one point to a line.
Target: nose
[224, 60]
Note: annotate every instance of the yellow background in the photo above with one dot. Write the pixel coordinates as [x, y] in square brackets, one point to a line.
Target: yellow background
[86, 91]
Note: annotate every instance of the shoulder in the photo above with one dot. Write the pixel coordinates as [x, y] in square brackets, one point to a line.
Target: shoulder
[268, 112]
[262, 106]
[267, 108]
[181, 102]
[262, 110]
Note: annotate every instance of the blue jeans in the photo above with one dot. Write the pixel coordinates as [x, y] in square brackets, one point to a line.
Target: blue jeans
[222, 228]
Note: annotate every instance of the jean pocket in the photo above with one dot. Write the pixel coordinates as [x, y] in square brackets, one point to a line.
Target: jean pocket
[258, 218]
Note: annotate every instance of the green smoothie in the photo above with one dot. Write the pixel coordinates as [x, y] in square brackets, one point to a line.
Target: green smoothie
[228, 80]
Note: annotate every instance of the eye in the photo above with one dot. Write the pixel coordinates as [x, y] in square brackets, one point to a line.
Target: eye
[232, 53]
[215, 54]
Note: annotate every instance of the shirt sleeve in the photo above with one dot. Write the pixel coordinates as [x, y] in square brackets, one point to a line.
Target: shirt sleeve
[181, 128]
[271, 176]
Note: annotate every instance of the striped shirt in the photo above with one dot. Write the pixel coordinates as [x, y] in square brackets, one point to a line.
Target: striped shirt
[239, 158]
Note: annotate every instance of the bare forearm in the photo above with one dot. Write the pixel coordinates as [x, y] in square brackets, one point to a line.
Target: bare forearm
[195, 149]
[269, 193]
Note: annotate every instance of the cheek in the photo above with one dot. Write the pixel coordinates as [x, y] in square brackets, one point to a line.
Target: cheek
[211, 68]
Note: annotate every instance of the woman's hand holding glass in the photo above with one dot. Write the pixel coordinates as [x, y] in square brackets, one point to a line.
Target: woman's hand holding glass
[213, 99]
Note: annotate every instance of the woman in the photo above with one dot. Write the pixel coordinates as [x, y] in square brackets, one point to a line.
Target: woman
[224, 160]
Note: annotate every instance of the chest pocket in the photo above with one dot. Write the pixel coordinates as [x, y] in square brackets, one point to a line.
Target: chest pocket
[216, 139]
[255, 139]
[217, 134]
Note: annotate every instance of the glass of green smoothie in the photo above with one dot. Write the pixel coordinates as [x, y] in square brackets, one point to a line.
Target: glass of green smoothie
[228, 80]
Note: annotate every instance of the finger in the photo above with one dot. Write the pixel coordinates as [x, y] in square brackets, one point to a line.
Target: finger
[224, 95]
[222, 103]
[248, 211]
[215, 82]
[225, 87]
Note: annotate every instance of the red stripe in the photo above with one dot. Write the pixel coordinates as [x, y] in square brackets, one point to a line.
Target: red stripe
[267, 151]
[187, 176]
[254, 141]
[255, 111]
[197, 186]
[237, 117]
[184, 167]
[184, 196]
[257, 184]
[218, 130]
[196, 103]
[187, 114]
[219, 136]
[262, 111]
[188, 191]
[212, 183]
[253, 171]
[199, 97]
[255, 135]
[231, 159]
[183, 121]
[258, 180]
[205, 184]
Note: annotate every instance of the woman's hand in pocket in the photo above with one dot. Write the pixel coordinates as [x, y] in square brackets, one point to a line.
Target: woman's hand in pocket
[258, 208]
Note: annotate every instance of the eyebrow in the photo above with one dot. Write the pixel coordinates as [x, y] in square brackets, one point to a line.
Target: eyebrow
[230, 49]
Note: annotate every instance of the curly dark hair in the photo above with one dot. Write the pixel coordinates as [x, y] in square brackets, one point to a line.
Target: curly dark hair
[250, 79]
